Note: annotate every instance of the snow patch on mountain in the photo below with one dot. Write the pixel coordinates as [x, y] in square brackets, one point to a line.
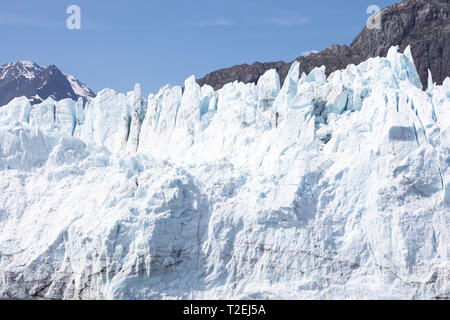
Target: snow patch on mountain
[326, 188]
[25, 69]
[80, 89]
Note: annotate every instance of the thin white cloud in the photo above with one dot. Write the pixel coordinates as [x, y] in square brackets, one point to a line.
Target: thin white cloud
[221, 22]
[289, 22]
[307, 53]
[19, 20]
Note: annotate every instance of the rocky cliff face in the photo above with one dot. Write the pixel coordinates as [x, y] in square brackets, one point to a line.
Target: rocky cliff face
[422, 24]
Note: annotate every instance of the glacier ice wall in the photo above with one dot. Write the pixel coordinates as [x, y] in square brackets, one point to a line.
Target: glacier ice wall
[325, 188]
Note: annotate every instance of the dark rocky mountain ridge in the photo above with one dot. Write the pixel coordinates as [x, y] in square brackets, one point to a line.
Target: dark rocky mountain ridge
[422, 24]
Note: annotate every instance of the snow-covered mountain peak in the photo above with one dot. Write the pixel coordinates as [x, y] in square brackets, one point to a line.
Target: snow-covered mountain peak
[26, 69]
[26, 78]
[28, 64]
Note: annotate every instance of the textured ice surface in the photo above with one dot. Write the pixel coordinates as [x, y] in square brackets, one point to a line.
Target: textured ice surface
[332, 188]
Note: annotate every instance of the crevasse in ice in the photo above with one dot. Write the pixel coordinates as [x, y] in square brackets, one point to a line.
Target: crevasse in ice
[328, 187]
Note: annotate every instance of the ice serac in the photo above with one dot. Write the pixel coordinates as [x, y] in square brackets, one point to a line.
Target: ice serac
[44, 114]
[18, 110]
[22, 148]
[187, 124]
[208, 105]
[331, 187]
[105, 120]
[159, 121]
[134, 118]
[65, 116]
[317, 75]
[268, 87]
[79, 116]
[289, 89]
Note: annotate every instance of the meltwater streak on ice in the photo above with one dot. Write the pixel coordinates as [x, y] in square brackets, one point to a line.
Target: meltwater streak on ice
[333, 187]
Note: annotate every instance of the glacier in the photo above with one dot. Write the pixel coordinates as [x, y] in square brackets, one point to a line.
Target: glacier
[331, 187]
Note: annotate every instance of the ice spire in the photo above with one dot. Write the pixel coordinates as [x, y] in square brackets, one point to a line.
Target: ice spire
[268, 88]
[137, 114]
[430, 85]
[289, 89]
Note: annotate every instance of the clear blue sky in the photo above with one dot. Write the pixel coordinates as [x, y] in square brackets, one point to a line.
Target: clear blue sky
[165, 41]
